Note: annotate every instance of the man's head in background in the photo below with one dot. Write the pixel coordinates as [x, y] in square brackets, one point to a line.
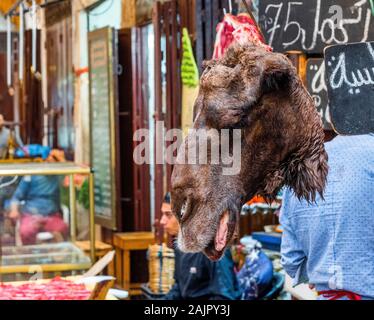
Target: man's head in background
[168, 221]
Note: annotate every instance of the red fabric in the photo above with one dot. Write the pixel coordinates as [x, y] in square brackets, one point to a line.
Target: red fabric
[337, 294]
[31, 225]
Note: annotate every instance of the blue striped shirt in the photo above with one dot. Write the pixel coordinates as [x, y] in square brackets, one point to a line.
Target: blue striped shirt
[331, 243]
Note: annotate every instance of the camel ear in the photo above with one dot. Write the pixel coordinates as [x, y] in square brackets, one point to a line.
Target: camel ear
[278, 73]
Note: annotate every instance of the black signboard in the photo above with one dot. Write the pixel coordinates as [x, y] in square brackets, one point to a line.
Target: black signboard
[103, 109]
[311, 25]
[350, 83]
[316, 85]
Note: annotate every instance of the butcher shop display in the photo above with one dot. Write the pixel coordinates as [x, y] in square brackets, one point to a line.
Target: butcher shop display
[56, 289]
[89, 286]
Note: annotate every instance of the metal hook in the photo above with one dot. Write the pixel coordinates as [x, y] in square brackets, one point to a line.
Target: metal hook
[21, 41]
[34, 36]
[230, 6]
[9, 51]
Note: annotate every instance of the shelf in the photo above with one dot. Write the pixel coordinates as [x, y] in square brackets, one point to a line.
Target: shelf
[48, 257]
[43, 168]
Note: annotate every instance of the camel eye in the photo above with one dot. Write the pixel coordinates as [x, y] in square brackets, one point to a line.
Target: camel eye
[183, 209]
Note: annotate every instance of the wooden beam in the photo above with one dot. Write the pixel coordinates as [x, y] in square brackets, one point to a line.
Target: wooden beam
[136, 12]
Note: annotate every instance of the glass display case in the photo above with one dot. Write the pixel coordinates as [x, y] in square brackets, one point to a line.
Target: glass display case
[50, 253]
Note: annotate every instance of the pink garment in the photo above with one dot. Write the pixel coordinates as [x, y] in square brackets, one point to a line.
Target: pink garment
[31, 225]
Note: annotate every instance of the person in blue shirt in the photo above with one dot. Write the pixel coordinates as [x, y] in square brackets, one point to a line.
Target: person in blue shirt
[330, 243]
[36, 202]
[196, 277]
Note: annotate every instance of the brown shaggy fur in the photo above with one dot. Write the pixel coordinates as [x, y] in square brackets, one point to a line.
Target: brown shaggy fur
[282, 142]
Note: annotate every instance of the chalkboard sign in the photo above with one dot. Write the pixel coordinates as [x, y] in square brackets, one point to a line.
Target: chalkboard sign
[311, 25]
[103, 109]
[350, 85]
[316, 85]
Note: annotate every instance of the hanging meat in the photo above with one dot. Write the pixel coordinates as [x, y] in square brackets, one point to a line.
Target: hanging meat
[240, 29]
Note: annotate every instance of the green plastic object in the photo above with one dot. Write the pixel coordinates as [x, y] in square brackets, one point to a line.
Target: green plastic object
[189, 70]
[83, 196]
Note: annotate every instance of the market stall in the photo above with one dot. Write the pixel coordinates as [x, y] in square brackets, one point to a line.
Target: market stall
[71, 288]
[50, 257]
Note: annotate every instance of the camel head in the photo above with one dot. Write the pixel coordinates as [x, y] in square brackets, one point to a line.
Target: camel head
[258, 94]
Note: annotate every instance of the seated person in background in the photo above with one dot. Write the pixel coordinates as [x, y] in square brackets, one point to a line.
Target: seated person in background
[330, 244]
[196, 277]
[36, 202]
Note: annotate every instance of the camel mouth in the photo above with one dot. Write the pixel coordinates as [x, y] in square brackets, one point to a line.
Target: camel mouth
[223, 236]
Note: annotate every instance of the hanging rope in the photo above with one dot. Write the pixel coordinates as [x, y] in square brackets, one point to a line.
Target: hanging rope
[252, 17]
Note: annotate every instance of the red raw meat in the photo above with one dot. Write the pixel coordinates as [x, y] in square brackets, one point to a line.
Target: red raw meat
[240, 29]
[57, 289]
